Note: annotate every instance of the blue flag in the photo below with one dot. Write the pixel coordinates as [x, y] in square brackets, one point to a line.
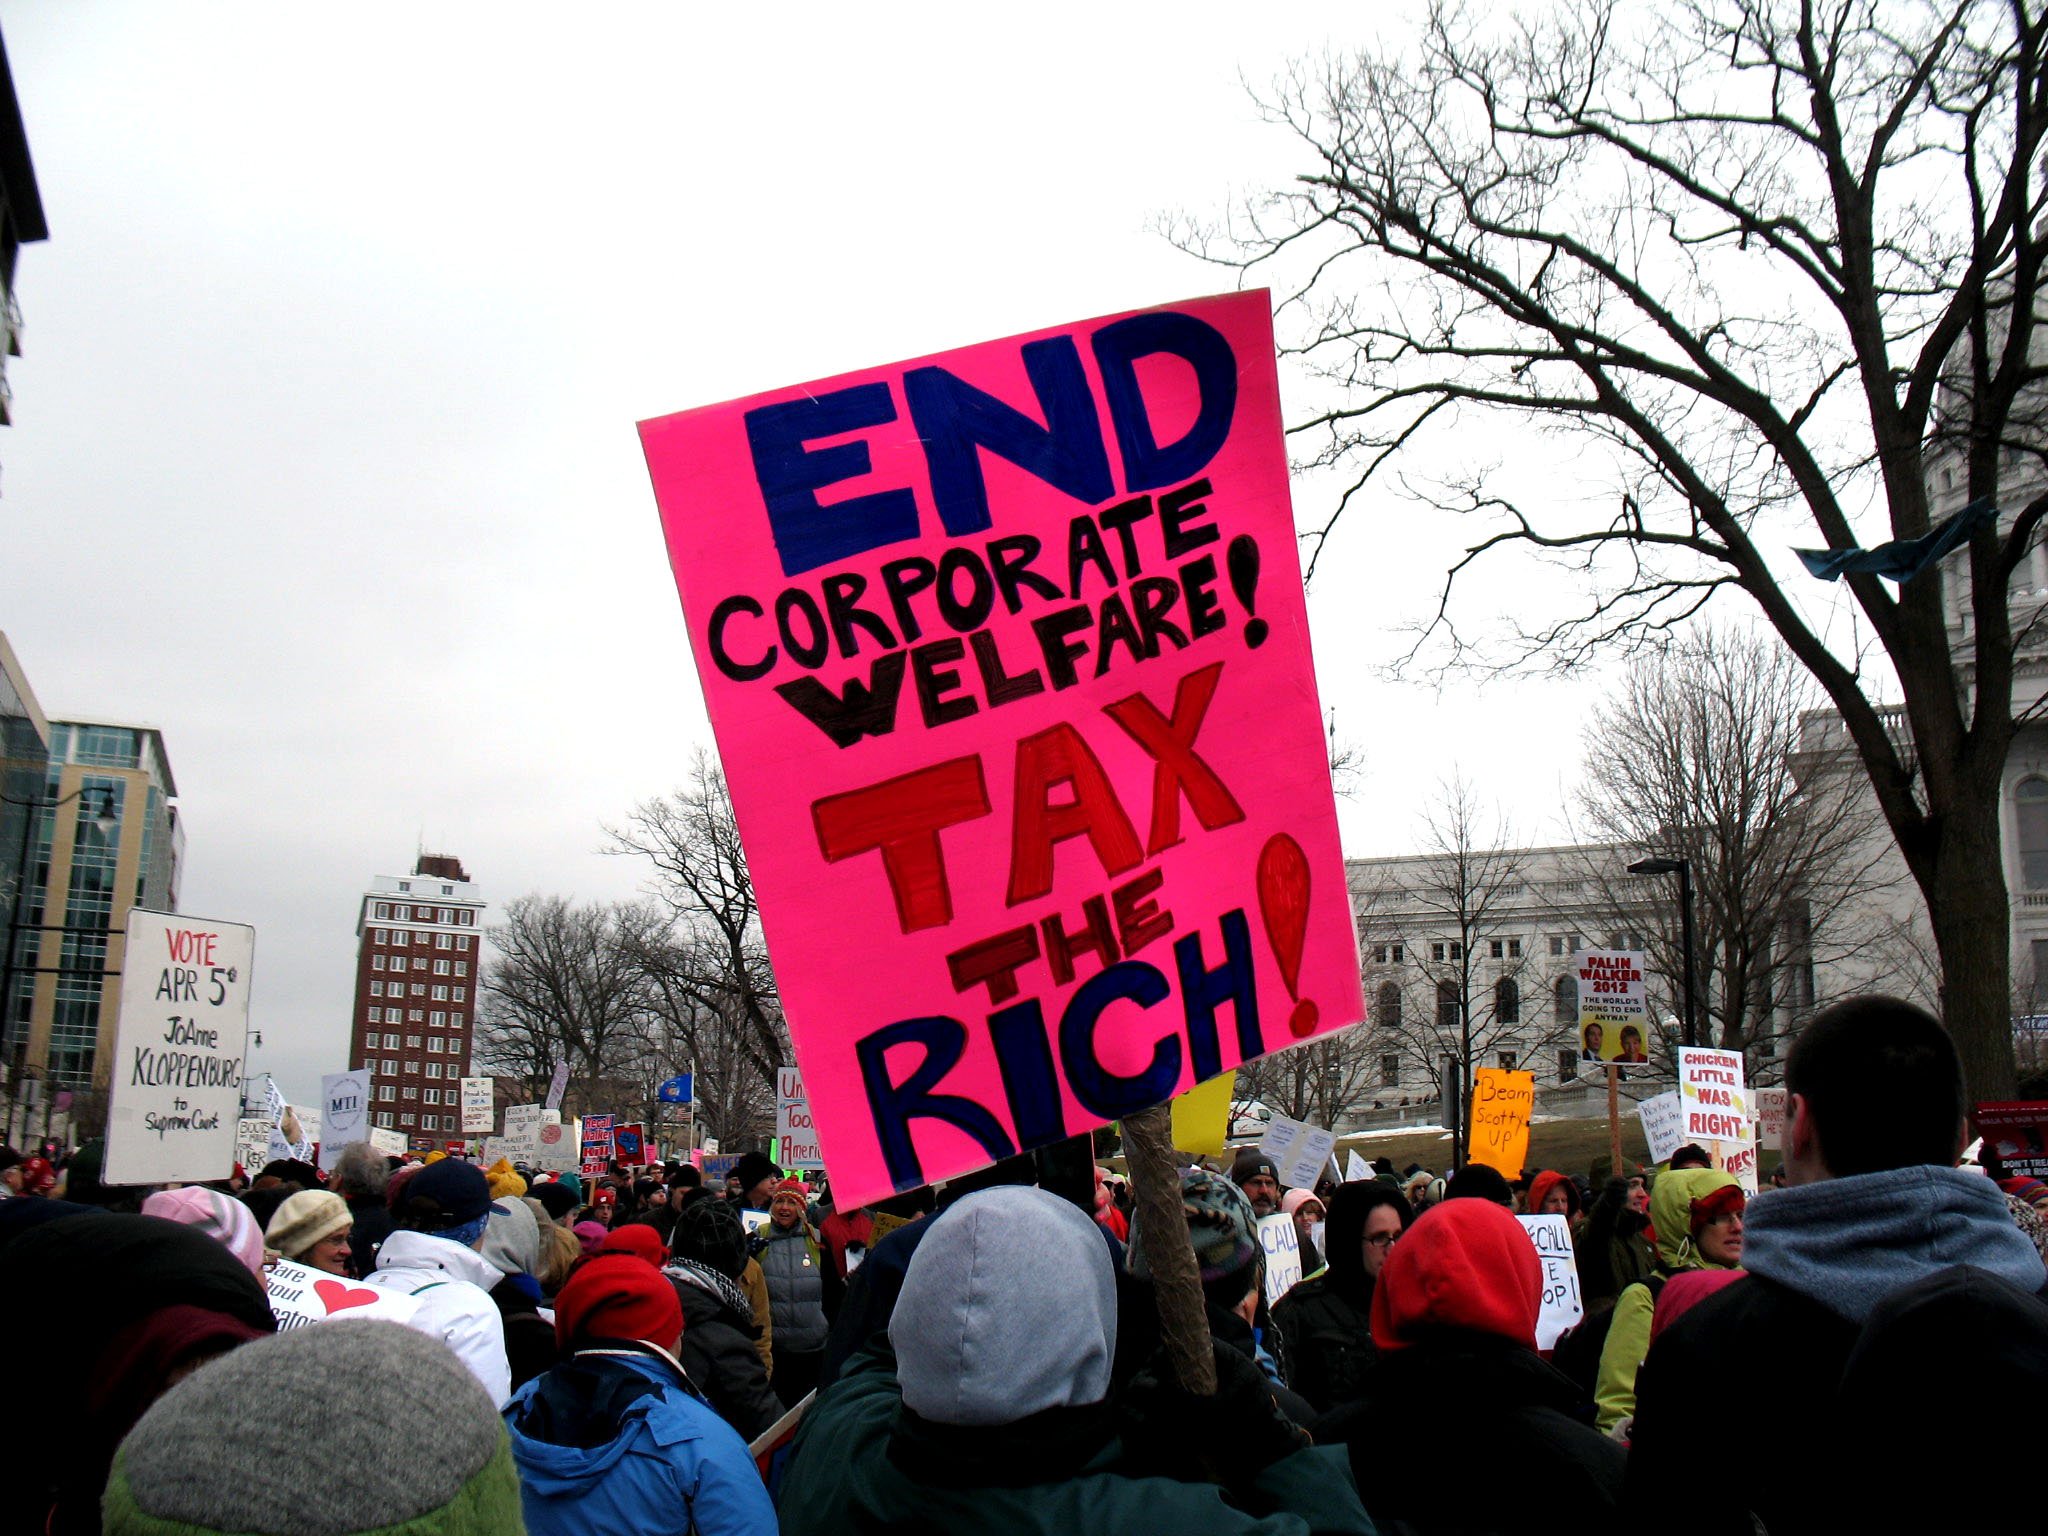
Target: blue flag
[676, 1090]
[1902, 559]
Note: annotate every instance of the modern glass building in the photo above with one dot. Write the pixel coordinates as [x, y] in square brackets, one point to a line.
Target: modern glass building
[107, 839]
[24, 767]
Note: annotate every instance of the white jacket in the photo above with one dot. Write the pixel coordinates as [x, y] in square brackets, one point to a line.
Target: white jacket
[452, 1284]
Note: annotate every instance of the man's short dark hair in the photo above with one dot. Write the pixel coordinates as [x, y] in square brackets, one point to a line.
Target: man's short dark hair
[1883, 1084]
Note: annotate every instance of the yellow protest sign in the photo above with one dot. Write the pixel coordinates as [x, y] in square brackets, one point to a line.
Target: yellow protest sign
[1201, 1116]
[1501, 1105]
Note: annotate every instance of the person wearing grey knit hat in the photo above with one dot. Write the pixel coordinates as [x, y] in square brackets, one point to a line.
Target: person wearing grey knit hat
[299, 1472]
[312, 1228]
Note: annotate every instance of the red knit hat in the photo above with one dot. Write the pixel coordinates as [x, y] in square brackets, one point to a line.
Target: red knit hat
[1725, 1201]
[617, 1296]
[1464, 1264]
[791, 1186]
[639, 1240]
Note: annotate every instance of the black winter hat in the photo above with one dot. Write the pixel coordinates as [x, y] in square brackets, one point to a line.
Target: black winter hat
[1477, 1181]
[709, 1232]
[753, 1168]
[558, 1199]
[450, 1193]
[1250, 1163]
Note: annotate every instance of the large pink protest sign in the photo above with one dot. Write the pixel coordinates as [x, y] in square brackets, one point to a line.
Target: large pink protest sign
[1009, 665]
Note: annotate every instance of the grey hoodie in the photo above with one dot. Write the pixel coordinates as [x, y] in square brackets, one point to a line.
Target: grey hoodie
[1008, 1308]
[1849, 1243]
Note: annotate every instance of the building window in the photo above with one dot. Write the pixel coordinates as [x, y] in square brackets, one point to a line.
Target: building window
[416, 1015]
[391, 1066]
[1390, 1070]
[1565, 1000]
[376, 989]
[383, 1122]
[376, 962]
[1436, 953]
[2031, 803]
[412, 1069]
[419, 989]
[1556, 945]
[1514, 949]
[433, 1069]
[1498, 949]
[1567, 1064]
[401, 938]
[434, 1043]
[397, 962]
[1389, 1009]
[412, 1042]
[440, 1018]
[444, 940]
[1447, 1005]
[462, 994]
[446, 915]
[440, 994]
[462, 939]
[383, 910]
[462, 966]
[379, 936]
[408, 1092]
[1507, 1001]
[440, 967]
[385, 1094]
[1507, 1061]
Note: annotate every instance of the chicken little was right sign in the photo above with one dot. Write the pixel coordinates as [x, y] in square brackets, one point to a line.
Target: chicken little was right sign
[1008, 660]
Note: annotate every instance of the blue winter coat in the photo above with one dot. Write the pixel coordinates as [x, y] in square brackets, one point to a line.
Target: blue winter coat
[615, 1441]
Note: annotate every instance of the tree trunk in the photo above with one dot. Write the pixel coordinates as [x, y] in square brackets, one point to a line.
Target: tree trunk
[1972, 932]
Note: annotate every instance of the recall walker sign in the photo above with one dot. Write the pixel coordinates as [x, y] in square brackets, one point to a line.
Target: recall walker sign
[1009, 665]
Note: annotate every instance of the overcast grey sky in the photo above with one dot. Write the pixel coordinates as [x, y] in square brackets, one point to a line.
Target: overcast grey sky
[324, 458]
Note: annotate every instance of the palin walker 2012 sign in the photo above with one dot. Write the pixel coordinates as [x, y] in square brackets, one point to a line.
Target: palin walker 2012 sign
[1008, 660]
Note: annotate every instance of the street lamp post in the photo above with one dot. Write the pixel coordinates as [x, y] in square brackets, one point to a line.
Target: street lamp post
[1683, 869]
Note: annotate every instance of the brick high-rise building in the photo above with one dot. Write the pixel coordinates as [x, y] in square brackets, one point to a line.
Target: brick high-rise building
[420, 949]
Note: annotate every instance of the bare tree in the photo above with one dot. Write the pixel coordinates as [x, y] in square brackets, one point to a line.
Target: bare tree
[565, 985]
[1321, 1082]
[1698, 756]
[1759, 260]
[708, 964]
[1457, 1000]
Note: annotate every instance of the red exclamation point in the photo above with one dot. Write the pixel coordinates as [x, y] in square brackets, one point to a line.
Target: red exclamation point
[1283, 902]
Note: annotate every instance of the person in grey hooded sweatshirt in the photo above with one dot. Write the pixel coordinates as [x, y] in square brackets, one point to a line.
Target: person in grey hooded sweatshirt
[1877, 1222]
[986, 1407]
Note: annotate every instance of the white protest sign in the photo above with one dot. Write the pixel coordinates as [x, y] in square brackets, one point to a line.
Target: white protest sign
[1283, 1255]
[558, 1085]
[796, 1138]
[1711, 1094]
[1663, 1125]
[754, 1221]
[1739, 1157]
[1298, 1150]
[1562, 1306]
[344, 1112]
[494, 1149]
[390, 1143]
[558, 1151]
[179, 1043]
[252, 1145]
[1356, 1168]
[1614, 1009]
[476, 1105]
[300, 1297]
[1770, 1118]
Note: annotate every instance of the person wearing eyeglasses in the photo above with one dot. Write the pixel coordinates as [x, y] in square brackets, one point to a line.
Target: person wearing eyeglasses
[1327, 1322]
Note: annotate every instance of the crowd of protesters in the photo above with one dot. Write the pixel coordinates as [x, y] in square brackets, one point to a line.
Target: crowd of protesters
[635, 1352]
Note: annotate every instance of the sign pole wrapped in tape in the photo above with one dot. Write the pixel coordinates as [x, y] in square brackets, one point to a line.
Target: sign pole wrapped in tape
[1008, 661]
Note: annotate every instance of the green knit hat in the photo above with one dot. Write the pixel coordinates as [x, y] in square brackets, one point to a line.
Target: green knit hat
[299, 1409]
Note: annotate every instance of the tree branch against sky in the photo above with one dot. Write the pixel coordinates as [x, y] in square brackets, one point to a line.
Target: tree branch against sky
[1729, 252]
[1697, 755]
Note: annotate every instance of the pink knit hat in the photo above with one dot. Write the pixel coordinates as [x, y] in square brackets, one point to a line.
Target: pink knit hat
[221, 1217]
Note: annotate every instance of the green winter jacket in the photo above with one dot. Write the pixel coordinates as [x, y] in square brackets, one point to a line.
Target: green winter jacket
[1628, 1336]
[845, 1475]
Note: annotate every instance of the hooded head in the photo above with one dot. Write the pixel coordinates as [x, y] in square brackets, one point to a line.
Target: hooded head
[1465, 1266]
[1224, 1230]
[1541, 1186]
[1672, 1201]
[1344, 1235]
[1008, 1308]
[512, 1240]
